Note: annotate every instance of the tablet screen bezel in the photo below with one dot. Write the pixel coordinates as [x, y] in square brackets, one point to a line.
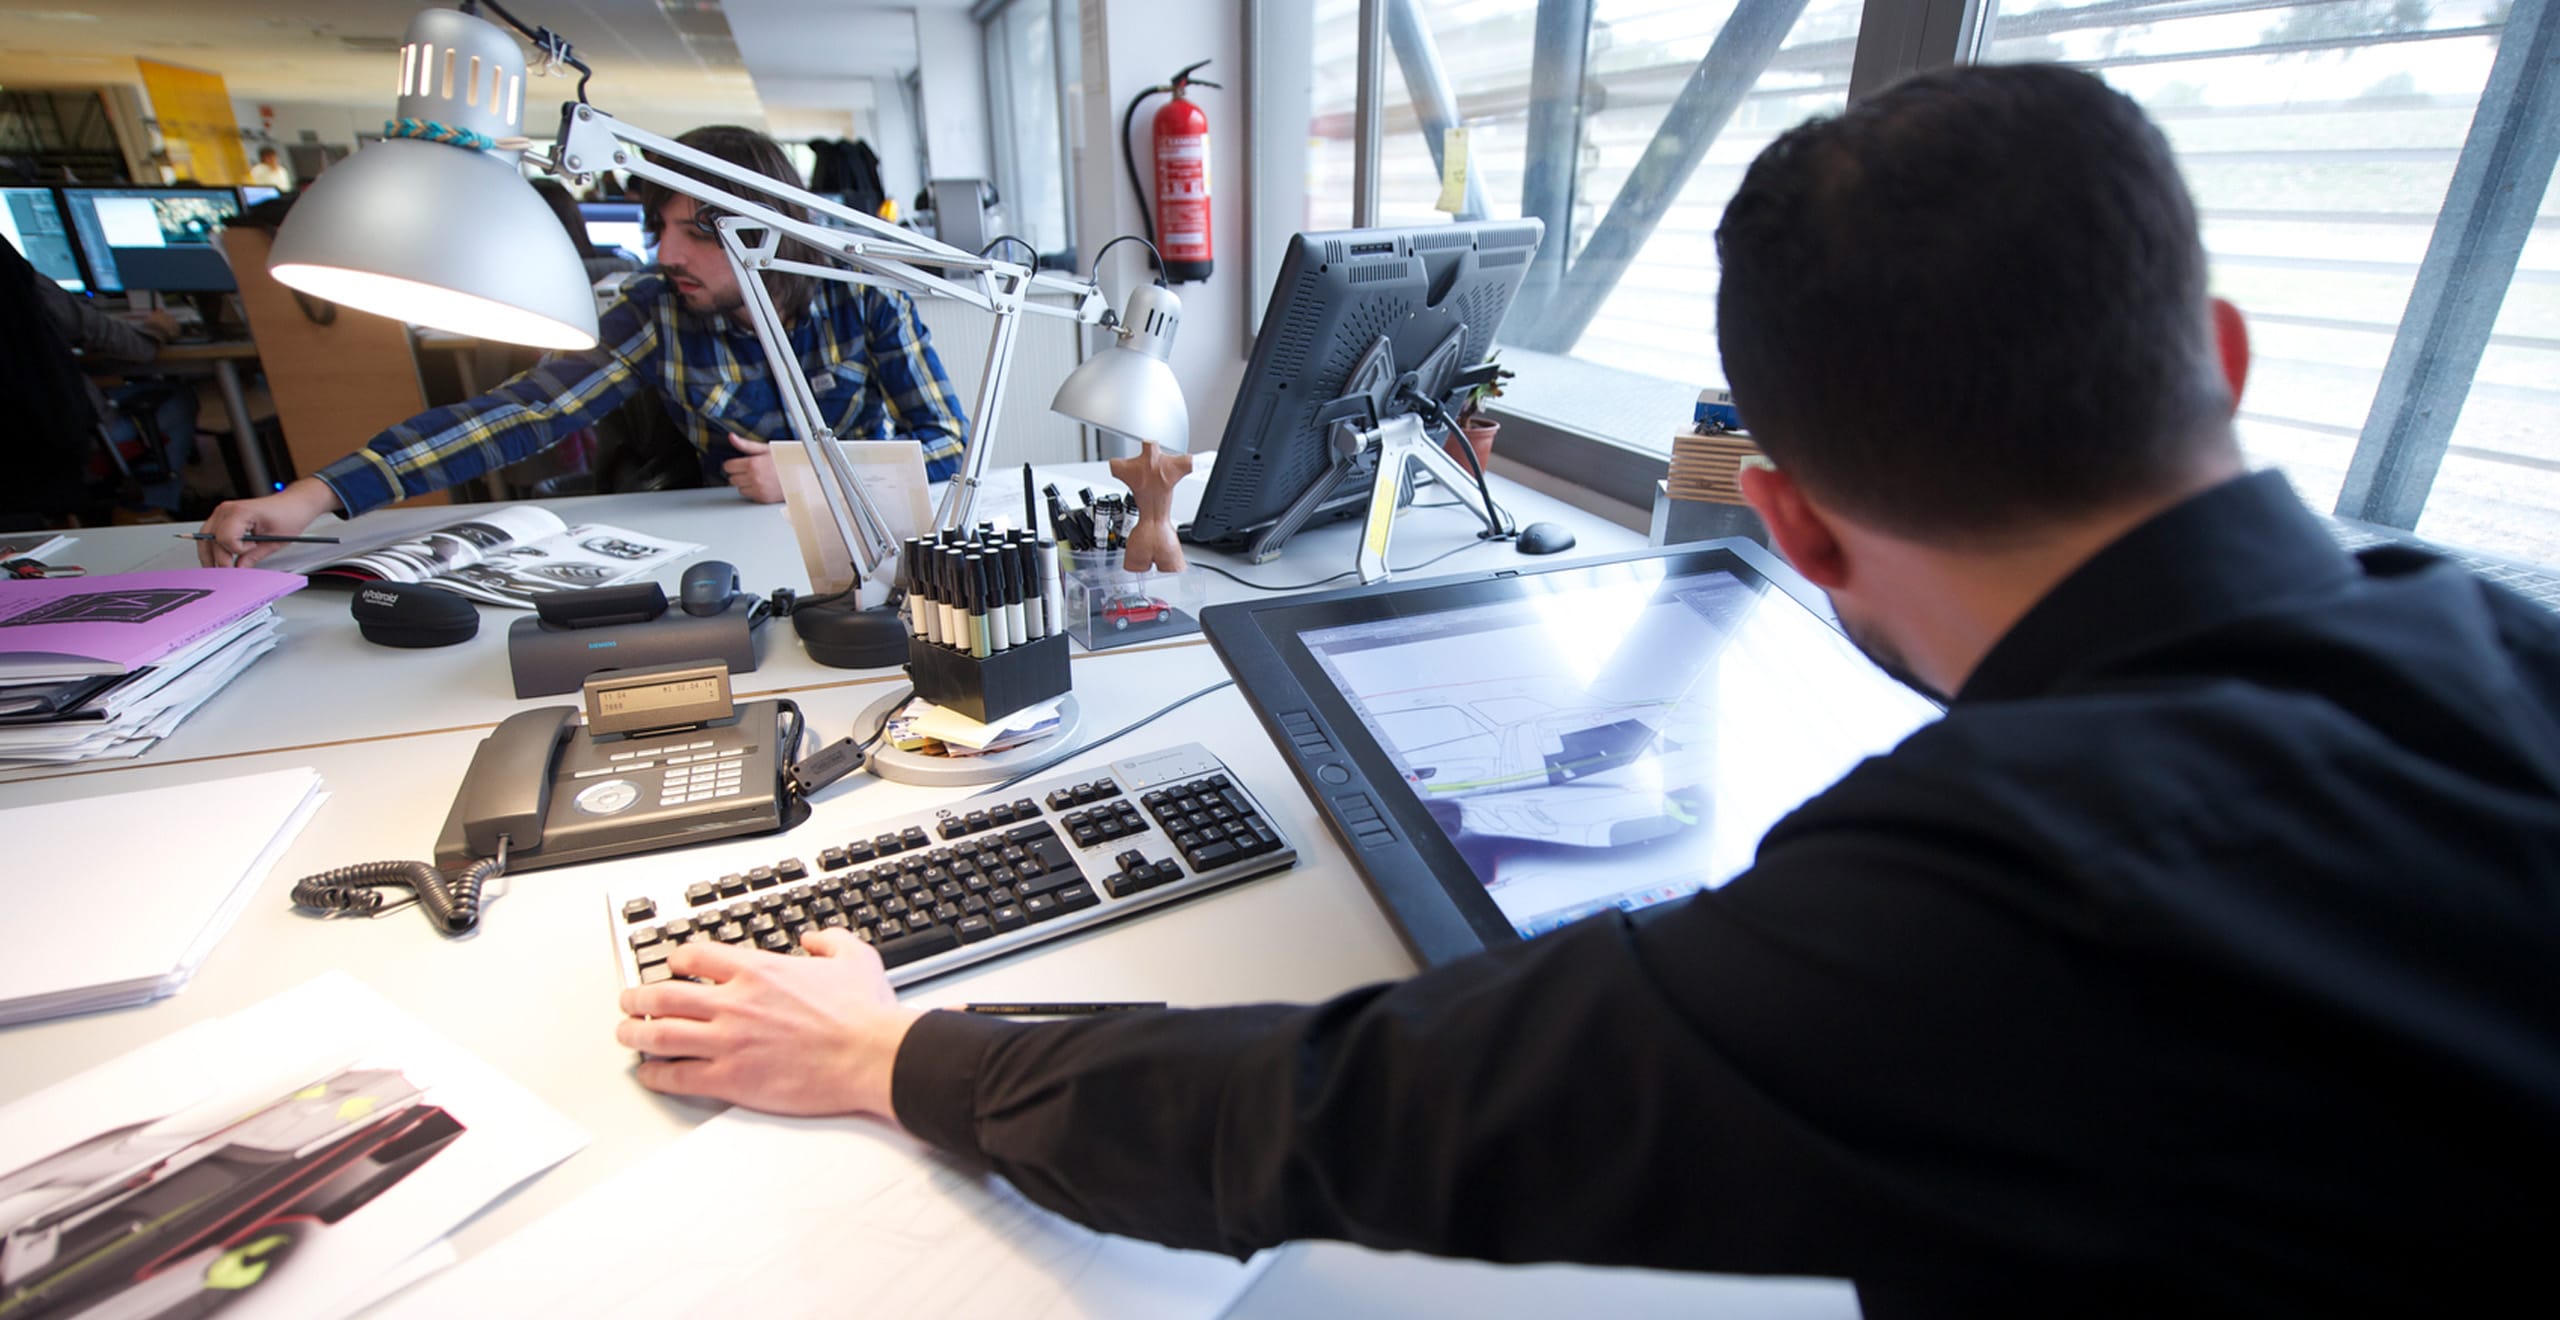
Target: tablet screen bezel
[1439, 906]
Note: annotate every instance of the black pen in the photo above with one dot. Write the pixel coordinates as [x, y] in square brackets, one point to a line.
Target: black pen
[255, 539]
[1058, 1010]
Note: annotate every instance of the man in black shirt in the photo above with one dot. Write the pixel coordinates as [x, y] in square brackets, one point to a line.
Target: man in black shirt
[2205, 957]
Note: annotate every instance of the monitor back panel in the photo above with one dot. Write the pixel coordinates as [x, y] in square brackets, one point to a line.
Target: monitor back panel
[1337, 294]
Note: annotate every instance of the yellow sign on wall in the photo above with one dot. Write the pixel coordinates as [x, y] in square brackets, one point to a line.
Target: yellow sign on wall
[194, 112]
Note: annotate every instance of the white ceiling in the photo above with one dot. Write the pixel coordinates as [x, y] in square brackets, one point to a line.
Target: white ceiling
[691, 60]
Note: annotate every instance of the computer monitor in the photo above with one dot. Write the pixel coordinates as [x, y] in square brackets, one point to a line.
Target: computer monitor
[31, 218]
[1503, 753]
[1338, 293]
[616, 226]
[156, 239]
[253, 193]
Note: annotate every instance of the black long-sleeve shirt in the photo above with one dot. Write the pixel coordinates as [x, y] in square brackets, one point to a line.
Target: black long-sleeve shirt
[2206, 956]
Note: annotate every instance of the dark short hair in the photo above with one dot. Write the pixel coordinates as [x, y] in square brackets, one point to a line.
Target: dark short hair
[748, 149]
[1972, 305]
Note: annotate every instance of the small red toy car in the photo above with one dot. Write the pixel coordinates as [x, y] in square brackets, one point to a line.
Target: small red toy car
[1134, 608]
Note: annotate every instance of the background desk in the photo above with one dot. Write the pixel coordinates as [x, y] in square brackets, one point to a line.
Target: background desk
[533, 991]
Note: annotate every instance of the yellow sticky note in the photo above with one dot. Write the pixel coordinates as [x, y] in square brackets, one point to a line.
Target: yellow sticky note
[1453, 170]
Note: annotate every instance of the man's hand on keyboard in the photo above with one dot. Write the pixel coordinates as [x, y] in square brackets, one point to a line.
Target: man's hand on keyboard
[814, 1035]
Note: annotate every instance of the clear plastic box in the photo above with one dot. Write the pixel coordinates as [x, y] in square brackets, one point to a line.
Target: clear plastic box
[1108, 605]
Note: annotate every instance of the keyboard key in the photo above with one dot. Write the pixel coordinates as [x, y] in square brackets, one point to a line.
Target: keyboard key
[639, 909]
[1008, 917]
[834, 859]
[700, 895]
[1213, 855]
[1077, 897]
[920, 944]
[972, 929]
[1039, 907]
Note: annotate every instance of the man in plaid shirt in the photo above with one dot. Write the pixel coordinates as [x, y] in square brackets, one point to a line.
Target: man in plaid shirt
[682, 330]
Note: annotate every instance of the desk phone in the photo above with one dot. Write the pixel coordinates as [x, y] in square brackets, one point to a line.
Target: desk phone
[662, 758]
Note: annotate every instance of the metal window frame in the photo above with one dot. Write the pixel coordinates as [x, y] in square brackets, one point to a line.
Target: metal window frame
[2498, 185]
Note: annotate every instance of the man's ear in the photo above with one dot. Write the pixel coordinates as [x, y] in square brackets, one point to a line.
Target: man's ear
[1797, 530]
[2231, 344]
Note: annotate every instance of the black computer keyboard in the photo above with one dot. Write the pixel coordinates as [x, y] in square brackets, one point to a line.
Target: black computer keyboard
[940, 889]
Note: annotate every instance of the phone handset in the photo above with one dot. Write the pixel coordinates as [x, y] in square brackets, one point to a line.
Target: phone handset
[508, 787]
[501, 804]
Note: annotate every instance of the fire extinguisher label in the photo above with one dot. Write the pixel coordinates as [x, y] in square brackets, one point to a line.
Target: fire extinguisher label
[1182, 191]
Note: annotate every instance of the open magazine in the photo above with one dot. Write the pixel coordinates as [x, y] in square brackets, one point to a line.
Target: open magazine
[508, 554]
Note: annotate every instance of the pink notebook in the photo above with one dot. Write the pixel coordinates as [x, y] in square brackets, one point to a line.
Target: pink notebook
[73, 627]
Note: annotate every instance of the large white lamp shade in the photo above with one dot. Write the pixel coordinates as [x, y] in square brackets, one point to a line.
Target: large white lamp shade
[440, 234]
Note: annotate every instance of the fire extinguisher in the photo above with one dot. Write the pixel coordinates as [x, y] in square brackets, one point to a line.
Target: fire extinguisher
[1179, 227]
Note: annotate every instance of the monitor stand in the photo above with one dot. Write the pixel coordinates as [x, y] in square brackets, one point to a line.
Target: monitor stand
[1372, 417]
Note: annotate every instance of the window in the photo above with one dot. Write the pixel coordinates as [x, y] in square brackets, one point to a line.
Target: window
[2319, 140]
[1617, 328]
[1023, 49]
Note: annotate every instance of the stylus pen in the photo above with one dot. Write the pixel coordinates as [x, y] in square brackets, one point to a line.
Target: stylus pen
[255, 539]
[1060, 1010]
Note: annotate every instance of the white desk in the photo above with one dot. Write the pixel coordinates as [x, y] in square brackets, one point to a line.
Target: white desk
[338, 687]
[533, 991]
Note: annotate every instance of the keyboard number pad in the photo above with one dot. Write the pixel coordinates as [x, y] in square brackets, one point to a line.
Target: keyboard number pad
[1211, 822]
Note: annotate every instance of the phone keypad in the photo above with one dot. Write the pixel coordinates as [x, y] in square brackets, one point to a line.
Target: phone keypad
[702, 778]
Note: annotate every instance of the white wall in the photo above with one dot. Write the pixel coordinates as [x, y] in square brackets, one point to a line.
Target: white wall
[951, 56]
[1130, 45]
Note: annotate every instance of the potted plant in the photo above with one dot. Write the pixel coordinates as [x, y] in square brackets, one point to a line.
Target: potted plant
[1472, 421]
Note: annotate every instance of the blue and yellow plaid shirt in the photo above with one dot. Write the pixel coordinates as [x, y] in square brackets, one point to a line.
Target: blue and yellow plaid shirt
[869, 359]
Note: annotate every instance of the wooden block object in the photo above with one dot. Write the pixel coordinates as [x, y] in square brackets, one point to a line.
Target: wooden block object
[1704, 466]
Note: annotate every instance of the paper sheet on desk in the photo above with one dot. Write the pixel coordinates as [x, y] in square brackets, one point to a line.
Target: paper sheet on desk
[392, 1135]
[800, 1217]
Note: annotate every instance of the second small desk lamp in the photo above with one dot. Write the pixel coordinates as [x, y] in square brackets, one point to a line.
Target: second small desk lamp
[437, 226]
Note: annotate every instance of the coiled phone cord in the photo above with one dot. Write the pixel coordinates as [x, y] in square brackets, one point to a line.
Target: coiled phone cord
[451, 902]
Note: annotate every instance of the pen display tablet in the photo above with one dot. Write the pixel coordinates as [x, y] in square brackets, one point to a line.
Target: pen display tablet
[1546, 745]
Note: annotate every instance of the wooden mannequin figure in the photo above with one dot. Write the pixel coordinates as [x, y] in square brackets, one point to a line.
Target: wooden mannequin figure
[1150, 476]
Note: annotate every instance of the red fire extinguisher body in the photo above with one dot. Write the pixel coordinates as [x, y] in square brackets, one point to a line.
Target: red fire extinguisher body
[1182, 188]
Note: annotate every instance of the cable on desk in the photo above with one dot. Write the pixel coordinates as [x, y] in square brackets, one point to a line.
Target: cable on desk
[841, 757]
[1044, 766]
[1310, 586]
[453, 903]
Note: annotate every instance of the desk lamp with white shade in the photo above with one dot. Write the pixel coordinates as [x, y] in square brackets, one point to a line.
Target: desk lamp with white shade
[437, 226]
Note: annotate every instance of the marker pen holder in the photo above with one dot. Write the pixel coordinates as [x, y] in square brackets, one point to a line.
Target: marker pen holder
[988, 690]
[1111, 605]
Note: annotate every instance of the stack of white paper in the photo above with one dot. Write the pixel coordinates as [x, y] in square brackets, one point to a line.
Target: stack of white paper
[125, 720]
[172, 867]
[104, 667]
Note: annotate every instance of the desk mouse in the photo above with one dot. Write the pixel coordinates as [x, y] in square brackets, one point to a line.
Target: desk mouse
[709, 586]
[1545, 538]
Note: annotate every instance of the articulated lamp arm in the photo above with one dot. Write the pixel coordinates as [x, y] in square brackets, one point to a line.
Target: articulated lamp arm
[872, 252]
